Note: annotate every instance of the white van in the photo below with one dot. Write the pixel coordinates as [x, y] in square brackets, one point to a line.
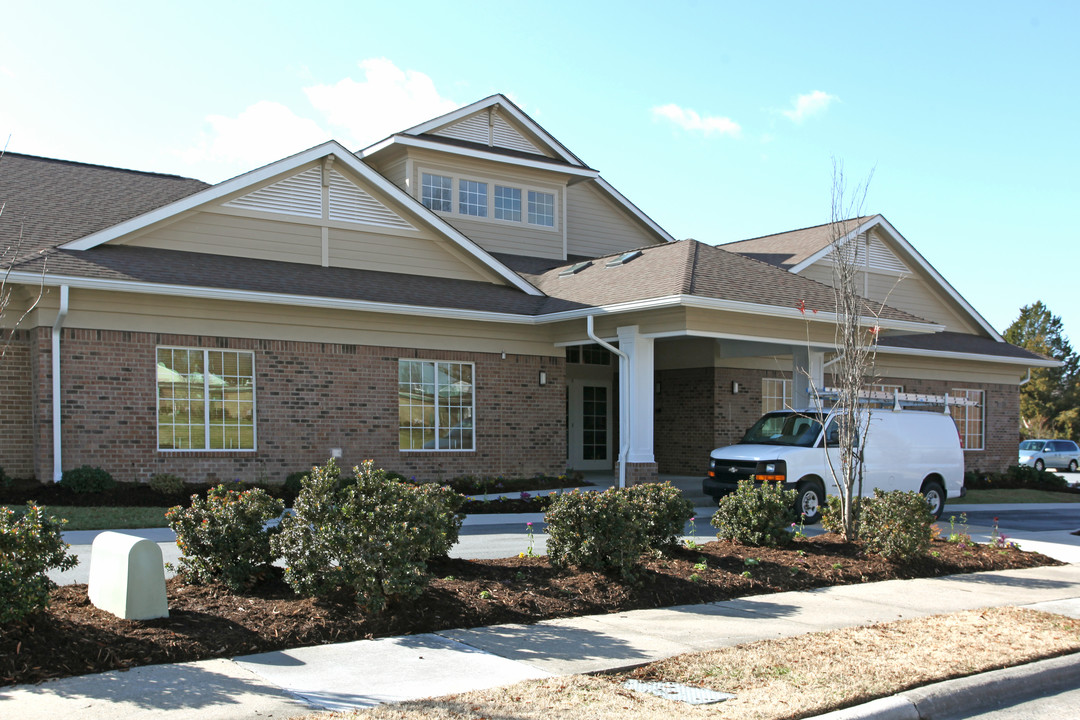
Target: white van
[904, 450]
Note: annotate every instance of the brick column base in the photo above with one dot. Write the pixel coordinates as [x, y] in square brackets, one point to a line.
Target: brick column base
[639, 473]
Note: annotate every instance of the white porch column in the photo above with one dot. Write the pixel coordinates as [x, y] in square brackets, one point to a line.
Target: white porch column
[807, 365]
[637, 413]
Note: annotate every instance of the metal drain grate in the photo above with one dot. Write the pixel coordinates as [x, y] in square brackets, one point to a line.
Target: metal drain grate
[678, 693]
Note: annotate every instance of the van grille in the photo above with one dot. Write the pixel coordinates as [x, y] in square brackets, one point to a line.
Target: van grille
[733, 470]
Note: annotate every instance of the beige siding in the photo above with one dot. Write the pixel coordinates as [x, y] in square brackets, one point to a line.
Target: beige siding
[397, 254]
[763, 327]
[393, 168]
[513, 238]
[99, 310]
[597, 227]
[220, 234]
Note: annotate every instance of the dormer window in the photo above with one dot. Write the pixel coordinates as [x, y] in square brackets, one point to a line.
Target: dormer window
[507, 203]
[472, 198]
[541, 208]
[437, 192]
[475, 197]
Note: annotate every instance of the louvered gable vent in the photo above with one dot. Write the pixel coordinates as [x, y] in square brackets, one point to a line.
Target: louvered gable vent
[881, 257]
[348, 203]
[478, 129]
[298, 195]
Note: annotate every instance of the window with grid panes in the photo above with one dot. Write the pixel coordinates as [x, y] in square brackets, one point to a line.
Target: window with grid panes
[775, 394]
[541, 208]
[435, 405]
[970, 418]
[472, 198]
[436, 192]
[205, 399]
[507, 203]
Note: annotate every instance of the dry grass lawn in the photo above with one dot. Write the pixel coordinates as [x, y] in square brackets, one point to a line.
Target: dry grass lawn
[785, 678]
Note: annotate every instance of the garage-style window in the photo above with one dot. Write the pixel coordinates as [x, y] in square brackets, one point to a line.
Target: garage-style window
[205, 399]
[435, 405]
[970, 419]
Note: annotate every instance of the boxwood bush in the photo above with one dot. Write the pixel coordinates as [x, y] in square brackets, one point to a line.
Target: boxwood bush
[87, 479]
[603, 531]
[664, 512]
[756, 515]
[30, 545]
[223, 538]
[369, 534]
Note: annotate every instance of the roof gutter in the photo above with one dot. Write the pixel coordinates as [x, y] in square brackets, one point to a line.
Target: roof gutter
[624, 396]
[61, 316]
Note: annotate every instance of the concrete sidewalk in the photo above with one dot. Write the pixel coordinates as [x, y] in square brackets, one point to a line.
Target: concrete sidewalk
[361, 674]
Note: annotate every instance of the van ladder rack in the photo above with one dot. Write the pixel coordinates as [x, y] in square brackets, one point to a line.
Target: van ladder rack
[900, 400]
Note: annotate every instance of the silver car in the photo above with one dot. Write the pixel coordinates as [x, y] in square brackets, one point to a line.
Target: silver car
[1058, 454]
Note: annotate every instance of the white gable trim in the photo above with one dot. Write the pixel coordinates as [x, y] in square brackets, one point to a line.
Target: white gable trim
[409, 141]
[513, 110]
[880, 221]
[272, 170]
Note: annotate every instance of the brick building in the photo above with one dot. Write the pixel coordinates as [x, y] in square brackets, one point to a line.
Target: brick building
[465, 297]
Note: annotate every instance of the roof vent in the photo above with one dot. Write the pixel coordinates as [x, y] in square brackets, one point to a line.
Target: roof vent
[575, 268]
[623, 259]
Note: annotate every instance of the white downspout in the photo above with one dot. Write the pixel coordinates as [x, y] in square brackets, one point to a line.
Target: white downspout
[58, 468]
[1026, 380]
[624, 396]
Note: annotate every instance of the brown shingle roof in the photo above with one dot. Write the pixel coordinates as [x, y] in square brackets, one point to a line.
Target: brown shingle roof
[788, 249]
[687, 267]
[56, 201]
[958, 343]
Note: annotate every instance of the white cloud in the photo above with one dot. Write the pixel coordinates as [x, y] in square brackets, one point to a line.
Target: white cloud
[355, 112]
[385, 101]
[809, 104]
[262, 133]
[690, 120]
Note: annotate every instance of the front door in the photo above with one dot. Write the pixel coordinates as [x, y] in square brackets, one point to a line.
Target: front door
[589, 424]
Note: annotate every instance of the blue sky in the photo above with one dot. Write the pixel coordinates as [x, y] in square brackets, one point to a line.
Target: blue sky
[719, 119]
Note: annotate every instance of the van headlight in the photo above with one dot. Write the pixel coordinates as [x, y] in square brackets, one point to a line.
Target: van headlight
[770, 471]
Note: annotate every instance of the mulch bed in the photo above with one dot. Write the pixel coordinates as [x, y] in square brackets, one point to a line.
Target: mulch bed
[73, 637]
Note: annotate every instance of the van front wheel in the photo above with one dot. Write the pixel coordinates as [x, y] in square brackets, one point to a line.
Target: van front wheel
[934, 492]
[811, 498]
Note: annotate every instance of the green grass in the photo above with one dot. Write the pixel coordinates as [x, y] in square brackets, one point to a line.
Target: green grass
[107, 518]
[1018, 495]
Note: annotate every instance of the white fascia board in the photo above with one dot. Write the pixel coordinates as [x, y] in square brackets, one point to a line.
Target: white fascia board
[969, 356]
[267, 172]
[880, 221]
[505, 103]
[408, 141]
[634, 209]
[312, 301]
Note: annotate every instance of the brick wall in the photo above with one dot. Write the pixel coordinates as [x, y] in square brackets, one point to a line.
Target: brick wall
[310, 397]
[16, 405]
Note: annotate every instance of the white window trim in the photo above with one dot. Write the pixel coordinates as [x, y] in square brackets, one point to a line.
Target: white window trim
[206, 404]
[475, 420]
[785, 397]
[455, 184]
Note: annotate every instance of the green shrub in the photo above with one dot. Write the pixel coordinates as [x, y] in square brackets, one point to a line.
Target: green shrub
[369, 534]
[664, 510]
[832, 518]
[294, 481]
[896, 524]
[87, 479]
[597, 531]
[222, 536]
[166, 483]
[1015, 476]
[5, 481]
[760, 515]
[30, 545]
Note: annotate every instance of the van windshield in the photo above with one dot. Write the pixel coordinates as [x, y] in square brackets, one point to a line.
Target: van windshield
[1035, 445]
[784, 428]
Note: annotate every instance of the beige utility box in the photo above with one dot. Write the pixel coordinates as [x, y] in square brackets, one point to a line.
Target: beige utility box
[127, 577]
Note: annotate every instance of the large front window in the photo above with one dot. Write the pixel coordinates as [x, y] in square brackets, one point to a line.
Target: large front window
[435, 405]
[205, 399]
[969, 419]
